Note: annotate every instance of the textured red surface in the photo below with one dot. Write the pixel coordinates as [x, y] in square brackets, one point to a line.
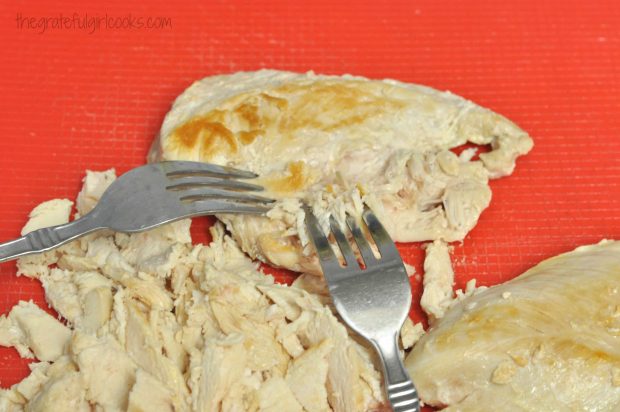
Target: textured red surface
[73, 100]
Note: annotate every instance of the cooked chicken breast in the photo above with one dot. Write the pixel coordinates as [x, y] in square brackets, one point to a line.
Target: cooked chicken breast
[548, 340]
[339, 143]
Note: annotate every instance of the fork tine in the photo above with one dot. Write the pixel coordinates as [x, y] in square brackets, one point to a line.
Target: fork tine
[327, 257]
[361, 241]
[382, 239]
[190, 182]
[206, 207]
[185, 168]
[206, 193]
[343, 243]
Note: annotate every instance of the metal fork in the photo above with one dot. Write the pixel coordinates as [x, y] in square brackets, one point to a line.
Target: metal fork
[373, 301]
[151, 196]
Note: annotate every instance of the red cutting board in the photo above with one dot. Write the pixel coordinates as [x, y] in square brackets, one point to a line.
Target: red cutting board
[75, 98]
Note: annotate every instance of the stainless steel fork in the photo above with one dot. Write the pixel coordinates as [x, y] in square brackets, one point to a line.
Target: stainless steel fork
[373, 301]
[150, 196]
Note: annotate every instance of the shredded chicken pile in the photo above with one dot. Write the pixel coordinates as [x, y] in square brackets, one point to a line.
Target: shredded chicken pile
[150, 322]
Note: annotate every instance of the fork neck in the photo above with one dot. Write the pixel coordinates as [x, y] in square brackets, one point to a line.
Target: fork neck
[47, 238]
[387, 345]
[79, 227]
[401, 393]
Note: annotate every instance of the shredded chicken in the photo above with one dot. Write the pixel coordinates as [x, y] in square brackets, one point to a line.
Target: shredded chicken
[154, 323]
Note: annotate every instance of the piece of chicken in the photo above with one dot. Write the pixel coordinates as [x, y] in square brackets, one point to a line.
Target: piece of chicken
[51, 213]
[438, 280]
[94, 184]
[548, 340]
[337, 143]
[218, 370]
[107, 372]
[33, 383]
[32, 327]
[311, 366]
[144, 346]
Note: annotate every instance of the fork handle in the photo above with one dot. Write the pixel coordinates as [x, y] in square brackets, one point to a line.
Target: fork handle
[401, 392]
[42, 240]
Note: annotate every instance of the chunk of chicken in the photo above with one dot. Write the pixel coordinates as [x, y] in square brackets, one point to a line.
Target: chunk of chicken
[545, 341]
[51, 213]
[32, 384]
[11, 335]
[221, 367]
[438, 280]
[96, 306]
[411, 333]
[307, 377]
[93, 186]
[62, 293]
[143, 345]
[107, 371]
[45, 336]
